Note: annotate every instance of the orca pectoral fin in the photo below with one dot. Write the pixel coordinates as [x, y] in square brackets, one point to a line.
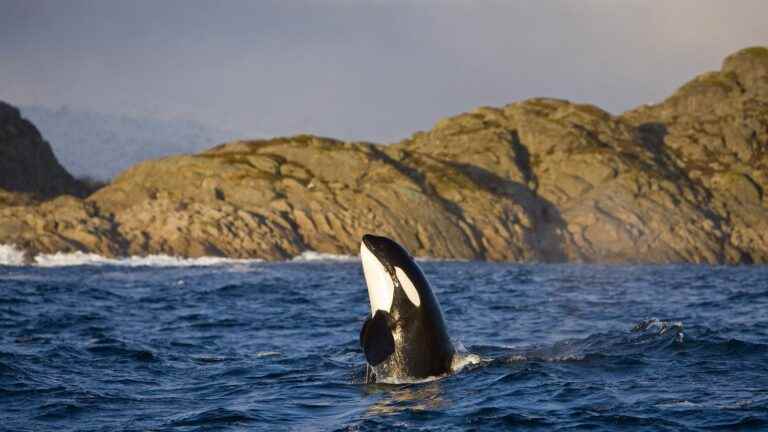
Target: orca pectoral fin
[376, 338]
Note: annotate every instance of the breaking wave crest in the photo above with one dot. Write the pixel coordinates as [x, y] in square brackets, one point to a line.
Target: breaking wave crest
[321, 256]
[464, 358]
[401, 381]
[11, 256]
[80, 258]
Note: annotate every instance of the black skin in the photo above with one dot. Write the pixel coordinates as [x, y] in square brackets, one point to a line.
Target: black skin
[409, 341]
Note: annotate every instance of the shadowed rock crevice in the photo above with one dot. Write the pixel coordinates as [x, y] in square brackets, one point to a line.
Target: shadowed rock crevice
[544, 234]
[419, 178]
[523, 161]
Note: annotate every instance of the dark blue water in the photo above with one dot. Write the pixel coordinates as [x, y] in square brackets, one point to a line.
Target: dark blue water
[274, 347]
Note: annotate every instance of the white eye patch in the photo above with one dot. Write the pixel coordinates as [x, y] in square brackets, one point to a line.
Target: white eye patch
[408, 287]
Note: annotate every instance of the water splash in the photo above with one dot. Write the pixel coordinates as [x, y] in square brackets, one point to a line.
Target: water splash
[80, 258]
[464, 358]
[660, 327]
[322, 256]
[402, 381]
[461, 359]
[11, 256]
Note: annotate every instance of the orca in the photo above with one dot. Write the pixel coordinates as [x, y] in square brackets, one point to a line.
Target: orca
[405, 338]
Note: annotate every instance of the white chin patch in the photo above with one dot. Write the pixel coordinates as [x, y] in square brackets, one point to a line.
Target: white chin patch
[381, 290]
[408, 287]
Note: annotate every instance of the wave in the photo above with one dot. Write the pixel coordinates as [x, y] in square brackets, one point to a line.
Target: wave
[81, 258]
[216, 416]
[461, 359]
[651, 335]
[12, 256]
[655, 325]
[321, 256]
[401, 381]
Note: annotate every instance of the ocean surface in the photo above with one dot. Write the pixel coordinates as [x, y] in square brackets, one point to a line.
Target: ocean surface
[161, 344]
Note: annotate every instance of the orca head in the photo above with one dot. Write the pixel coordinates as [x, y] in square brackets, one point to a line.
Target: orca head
[389, 270]
[406, 335]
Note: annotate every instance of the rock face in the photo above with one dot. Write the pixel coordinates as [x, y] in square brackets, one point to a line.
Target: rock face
[27, 163]
[538, 180]
[716, 129]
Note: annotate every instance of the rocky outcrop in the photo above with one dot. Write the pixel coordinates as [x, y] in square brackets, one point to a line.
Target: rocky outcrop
[64, 224]
[538, 180]
[27, 163]
[715, 128]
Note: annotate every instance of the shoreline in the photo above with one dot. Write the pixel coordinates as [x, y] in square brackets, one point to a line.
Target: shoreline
[540, 180]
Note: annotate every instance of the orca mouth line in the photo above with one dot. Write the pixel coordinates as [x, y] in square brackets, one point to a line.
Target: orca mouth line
[370, 244]
[382, 247]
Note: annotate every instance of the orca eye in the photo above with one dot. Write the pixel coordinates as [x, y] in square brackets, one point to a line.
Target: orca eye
[410, 290]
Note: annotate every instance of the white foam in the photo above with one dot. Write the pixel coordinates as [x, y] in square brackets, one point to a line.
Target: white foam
[399, 381]
[461, 359]
[321, 256]
[464, 359]
[11, 256]
[516, 358]
[80, 258]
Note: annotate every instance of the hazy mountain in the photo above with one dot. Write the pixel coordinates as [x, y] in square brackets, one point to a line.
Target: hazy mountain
[101, 145]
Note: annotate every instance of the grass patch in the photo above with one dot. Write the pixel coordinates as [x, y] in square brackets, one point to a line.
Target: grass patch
[755, 51]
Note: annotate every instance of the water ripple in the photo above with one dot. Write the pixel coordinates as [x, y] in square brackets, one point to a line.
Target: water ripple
[268, 346]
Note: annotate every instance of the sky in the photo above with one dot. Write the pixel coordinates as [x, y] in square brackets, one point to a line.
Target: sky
[357, 69]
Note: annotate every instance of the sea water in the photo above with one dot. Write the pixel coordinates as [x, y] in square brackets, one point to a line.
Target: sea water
[162, 344]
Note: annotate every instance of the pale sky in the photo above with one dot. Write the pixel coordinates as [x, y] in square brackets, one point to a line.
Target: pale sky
[357, 69]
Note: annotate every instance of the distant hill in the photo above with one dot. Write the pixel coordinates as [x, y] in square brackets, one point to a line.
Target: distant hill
[28, 167]
[540, 180]
[100, 145]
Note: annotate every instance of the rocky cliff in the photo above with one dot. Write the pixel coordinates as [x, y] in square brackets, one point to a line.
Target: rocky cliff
[538, 180]
[28, 168]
